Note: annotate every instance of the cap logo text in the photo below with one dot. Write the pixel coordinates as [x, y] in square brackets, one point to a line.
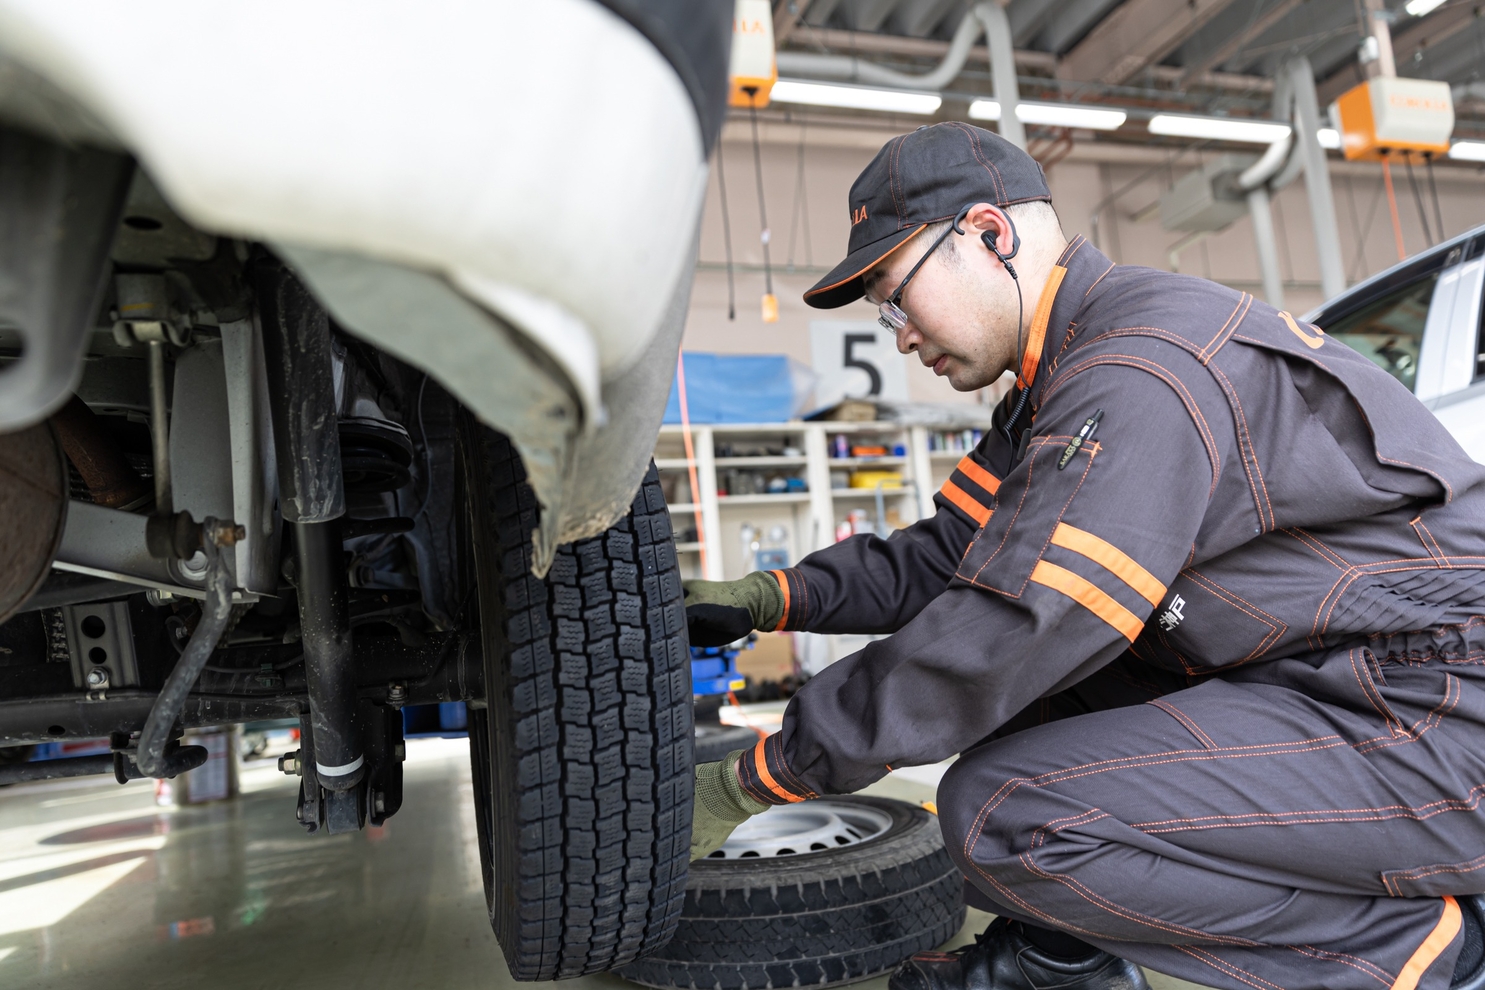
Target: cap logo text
[858, 215]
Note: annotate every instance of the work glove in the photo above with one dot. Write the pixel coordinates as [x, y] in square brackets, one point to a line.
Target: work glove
[721, 805]
[721, 612]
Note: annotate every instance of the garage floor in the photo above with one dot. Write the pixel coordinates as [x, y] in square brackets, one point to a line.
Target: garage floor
[99, 887]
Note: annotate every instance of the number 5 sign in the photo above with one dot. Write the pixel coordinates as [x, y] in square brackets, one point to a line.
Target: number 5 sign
[856, 359]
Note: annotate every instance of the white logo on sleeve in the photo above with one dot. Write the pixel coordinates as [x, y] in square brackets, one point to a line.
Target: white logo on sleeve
[1172, 616]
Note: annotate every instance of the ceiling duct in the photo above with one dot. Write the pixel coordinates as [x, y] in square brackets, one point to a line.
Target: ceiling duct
[989, 18]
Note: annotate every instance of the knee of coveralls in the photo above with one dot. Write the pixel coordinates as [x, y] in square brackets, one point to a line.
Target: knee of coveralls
[991, 816]
[1017, 827]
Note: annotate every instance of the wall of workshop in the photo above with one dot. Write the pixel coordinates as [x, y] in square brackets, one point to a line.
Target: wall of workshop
[805, 195]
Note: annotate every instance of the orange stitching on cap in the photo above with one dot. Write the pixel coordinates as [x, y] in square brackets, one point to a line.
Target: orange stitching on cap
[965, 502]
[978, 475]
[1088, 595]
[1111, 558]
[836, 285]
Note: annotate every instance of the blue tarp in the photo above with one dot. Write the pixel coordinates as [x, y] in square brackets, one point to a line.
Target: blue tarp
[735, 388]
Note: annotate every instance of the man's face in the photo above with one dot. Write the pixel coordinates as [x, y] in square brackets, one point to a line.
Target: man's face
[961, 308]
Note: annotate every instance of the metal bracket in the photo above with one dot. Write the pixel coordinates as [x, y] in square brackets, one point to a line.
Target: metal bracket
[100, 639]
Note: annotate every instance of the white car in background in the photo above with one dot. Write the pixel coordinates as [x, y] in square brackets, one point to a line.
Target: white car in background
[1421, 321]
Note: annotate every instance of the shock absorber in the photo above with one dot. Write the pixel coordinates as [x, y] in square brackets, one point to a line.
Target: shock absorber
[296, 336]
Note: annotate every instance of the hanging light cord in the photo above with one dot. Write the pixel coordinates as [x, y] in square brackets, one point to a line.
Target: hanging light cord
[1434, 190]
[1402, 252]
[726, 235]
[1418, 201]
[762, 209]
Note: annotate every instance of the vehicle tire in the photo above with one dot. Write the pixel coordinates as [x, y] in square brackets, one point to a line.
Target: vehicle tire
[851, 908]
[714, 741]
[582, 756]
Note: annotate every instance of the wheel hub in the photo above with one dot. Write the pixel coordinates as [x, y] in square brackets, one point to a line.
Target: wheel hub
[803, 829]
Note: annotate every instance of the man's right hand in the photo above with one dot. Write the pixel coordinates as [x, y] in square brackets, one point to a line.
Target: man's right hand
[721, 612]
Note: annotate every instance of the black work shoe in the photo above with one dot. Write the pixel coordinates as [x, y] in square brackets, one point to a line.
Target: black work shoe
[1469, 969]
[1002, 959]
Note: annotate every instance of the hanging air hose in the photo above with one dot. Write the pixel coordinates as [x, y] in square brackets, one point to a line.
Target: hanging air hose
[770, 301]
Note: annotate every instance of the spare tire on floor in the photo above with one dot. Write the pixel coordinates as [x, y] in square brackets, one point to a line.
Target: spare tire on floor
[816, 894]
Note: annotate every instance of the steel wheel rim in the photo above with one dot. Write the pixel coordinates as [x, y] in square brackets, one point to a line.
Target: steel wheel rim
[804, 829]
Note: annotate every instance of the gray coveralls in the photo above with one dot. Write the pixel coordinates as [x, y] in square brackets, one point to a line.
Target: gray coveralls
[1216, 676]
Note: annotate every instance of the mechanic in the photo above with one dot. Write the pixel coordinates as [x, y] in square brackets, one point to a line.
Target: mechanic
[1204, 614]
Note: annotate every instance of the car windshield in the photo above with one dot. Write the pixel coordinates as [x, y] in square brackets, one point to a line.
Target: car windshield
[1390, 330]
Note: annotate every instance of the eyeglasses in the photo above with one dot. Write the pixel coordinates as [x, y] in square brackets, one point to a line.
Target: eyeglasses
[891, 316]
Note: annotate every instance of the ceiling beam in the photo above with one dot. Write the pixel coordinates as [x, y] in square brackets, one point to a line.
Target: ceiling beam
[838, 42]
[1136, 34]
[1443, 23]
[1233, 45]
[786, 18]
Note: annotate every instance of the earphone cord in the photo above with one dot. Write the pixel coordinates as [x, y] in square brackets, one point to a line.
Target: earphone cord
[1008, 429]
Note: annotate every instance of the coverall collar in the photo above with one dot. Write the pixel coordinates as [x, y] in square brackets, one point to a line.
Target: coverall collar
[1079, 268]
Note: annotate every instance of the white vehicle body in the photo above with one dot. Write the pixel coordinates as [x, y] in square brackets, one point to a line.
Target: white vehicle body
[505, 195]
[1429, 310]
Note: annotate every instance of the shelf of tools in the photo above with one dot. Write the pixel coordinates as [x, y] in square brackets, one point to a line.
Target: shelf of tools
[761, 496]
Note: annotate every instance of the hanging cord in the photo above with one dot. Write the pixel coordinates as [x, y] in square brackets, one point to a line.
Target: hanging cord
[726, 234]
[764, 236]
[1434, 190]
[680, 387]
[1418, 201]
[800, 215]
[1402, 252]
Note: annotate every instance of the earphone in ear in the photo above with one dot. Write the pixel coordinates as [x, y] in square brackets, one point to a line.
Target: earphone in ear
[1005, 259]
[989, 238]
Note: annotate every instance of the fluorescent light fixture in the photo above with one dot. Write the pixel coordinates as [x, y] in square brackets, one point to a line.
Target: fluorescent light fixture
[1052, 114]
[1468, 151]
[854, 97]
[1218, 128]
[1329, 137]
[1420, 7]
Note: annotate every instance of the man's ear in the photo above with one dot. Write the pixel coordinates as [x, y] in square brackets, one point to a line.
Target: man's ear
[983, 218]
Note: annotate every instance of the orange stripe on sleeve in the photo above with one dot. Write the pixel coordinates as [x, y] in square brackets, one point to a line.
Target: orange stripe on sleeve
[978, 475]
[1113, 559]
[1438, 940]
[760, 763]
[1088, 595]
[783, 580]
[963, 500]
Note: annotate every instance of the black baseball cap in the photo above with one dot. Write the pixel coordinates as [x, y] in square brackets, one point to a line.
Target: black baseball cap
[922, 178]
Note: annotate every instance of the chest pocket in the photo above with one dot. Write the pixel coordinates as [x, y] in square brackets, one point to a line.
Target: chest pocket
[1028, 507]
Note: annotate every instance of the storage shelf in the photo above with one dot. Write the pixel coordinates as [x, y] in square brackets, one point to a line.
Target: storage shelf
[769, 461]
[811, 516]
[780, 498]
[890, 460]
